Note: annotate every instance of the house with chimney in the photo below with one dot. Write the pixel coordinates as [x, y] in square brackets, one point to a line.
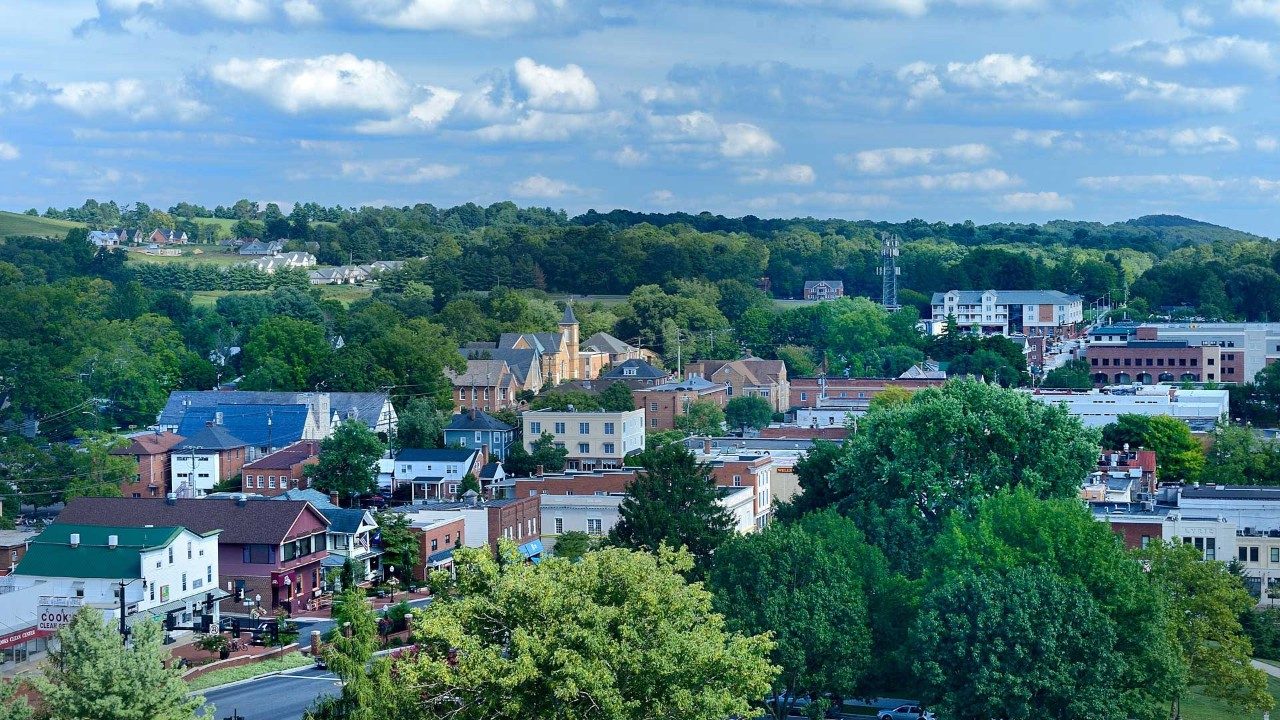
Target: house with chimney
[747, 377]
[486, 384]
[150, 450]
[473, 429]
[664, 404]
[205, 458]
[270, 552]
[281, 471]
[166, 236]
[638, 373]
[617, 350]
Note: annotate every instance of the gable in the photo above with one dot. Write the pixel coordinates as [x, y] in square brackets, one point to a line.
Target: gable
[308, 522]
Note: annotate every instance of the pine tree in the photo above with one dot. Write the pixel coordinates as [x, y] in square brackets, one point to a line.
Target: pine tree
[94, 676]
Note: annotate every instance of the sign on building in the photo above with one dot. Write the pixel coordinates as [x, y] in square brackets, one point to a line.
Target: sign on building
[55, 613]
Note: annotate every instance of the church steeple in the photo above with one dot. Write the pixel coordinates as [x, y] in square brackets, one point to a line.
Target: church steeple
[568, 318]
[569, 333]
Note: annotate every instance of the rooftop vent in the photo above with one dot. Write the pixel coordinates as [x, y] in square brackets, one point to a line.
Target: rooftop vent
[75, 540]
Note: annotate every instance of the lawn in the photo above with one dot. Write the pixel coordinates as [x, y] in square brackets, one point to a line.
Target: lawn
[345, 294]
[1199, 707]
[193, 254]
[244, 672]
[19, 224]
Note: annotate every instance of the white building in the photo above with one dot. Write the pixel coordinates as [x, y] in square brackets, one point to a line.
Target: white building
[825, 417]
[1095, 408]
[1002, 312]
[598, 439]
[434, 473]
[170, 574]
[596, 514]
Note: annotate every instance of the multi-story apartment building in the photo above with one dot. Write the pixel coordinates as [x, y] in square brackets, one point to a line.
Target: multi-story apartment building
[664, 403]
[1004, 312]
[150, 450]
[855, 394]
[597, 439]
[473, 429]
[437, 540]
[1256, 344]
[280, 471]
[486, 384]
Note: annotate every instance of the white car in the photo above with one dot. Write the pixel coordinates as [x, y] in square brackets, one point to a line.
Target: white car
[904, 712]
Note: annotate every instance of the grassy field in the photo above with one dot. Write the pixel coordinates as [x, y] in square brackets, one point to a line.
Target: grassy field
[192, 254]
[345, 294]
[19, 224]
[244, 672]
[1199, 707]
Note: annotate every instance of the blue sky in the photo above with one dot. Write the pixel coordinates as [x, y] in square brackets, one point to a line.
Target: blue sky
[1020, 110]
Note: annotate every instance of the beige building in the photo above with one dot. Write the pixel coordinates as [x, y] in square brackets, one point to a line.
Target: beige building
[594, 440]
[748, 376]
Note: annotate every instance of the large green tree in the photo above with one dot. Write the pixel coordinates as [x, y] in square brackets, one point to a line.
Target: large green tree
[94, 676]
[1205, 602]
[618, 635]
[283, 353]
[1240, 457]
[909, 467]
[1179, 458]
[98, 473]
[1073, 375]
[702, 417]
[750, 411]
[401, 547]
[805, 584]
[348, 461]
[673, 501]
[420, 425]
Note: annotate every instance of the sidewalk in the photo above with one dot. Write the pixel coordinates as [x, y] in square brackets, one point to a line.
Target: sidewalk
[379, 604]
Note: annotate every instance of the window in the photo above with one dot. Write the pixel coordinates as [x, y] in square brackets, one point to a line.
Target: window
[153, 592]
[479, 437]
[1242, 554]
[1146, 540]
[208, 573]
[535, 428]
[170, 554]
[608, 428]
[449, 537]
[595, 526]
[1253, 554]
[559, 428]
[584, 428]
[184, 582]
[608, 448]
[434, 544]
[653, 422]
[559, 446]
[271, 482]
[653, 407]
[188, 550]
[453, 488]
[559, 525]
[1211, 549]
[1275, 554]
[584, 448]
[737, 481]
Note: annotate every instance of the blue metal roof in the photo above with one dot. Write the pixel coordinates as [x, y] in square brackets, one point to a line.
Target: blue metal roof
[441, 556]
[250, 422]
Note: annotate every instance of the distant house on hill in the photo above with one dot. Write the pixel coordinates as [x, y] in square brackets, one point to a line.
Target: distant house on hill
[165, 236]
[258, 247]
[823, 289]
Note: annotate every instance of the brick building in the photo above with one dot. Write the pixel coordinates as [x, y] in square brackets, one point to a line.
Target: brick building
[748, 376]
[437, 540]
[1128, 355]
[280, 471]
[664, 403]
[151, 452]
[486, 384]
[856, 393]
[207, 457]
[485, 522]
[13, 546]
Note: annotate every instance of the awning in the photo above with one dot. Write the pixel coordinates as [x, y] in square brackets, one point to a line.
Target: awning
[440, 558]
[532, 550]
[158, 612]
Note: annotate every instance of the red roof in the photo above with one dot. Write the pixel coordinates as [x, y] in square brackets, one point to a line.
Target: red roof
[287, 457]
[150, 444]
[805, 433]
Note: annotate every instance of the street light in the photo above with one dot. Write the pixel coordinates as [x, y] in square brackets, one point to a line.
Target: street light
[391, 582]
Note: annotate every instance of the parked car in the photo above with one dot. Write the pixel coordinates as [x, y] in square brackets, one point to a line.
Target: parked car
[904, 712]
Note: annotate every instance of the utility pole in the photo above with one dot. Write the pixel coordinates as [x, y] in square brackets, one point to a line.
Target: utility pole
[889, 270]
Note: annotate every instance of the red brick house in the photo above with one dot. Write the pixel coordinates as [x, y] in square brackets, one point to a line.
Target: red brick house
[280, 471]
[664, 403]
[151, 452]
[13, 545]
[486, 522]
[437, 540]
[268, 548]
[812, 392]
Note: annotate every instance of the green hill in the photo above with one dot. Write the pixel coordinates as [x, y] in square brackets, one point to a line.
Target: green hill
[12, 224]
[1176, 229]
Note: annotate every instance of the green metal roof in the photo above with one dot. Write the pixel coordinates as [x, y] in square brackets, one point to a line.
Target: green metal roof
[50, 553]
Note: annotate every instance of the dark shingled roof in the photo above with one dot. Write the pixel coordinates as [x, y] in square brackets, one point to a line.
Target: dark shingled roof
[265, 523]
[1231, 492]
[642, 370]
[210, 437]
[481, 421]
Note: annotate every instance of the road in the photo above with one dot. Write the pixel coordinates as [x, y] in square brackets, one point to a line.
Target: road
[277, 697]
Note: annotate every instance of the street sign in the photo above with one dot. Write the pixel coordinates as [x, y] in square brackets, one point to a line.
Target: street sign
[54, 613]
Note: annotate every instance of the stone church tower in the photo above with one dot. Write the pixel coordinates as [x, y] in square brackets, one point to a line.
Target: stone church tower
[569, 334]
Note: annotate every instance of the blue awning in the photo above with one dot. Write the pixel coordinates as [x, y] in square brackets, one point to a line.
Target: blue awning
[439, 557]
[532, 549]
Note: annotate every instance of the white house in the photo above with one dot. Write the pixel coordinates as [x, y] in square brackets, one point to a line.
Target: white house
[169, 574]
[1198, 408]
[433, 473]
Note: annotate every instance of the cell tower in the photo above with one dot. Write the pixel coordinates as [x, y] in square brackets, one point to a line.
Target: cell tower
[889, 270]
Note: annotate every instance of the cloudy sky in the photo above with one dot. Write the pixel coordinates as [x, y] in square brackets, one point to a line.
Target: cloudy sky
[1022, 110]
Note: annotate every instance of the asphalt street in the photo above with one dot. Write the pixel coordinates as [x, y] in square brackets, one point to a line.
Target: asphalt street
[277, 697]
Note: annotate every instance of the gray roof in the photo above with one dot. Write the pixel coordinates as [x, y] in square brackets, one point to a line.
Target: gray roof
[520, 362]
[210, 437]
[434, 455]
[344, 521]
[258, 522]
[1231, 492]
[1010, 297]
[568, 318]
[690, 383]
[481, 421]
[481, 372]
[607, 343]
[643, 370]
[311, 495]
[834, 284]
[489, 471]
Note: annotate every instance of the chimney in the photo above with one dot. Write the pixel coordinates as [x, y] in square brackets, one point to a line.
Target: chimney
[706, 446]
[171, 498]
[333, 497]
[75, 540]
[113, 541]
[474, 413]
[471, 498]
[538, 471]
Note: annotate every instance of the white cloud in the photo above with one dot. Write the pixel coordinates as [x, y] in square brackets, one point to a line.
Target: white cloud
[1039, 138]
[1033, 202]
[327, 82]
[541, 186]
[9, 152]
[1138, 88]
[746, 140]
[996, 69]
[630, 157]
[696, 126]
[129, 98]
[846, 203]
[1205, 50]
[406, 171]
[890, 159]
[421, 116]
[566, 89]
[987, 179]
[662, 197]
[1261, 9]
[1266, 143]
[538, 126]
[302, 12]
[782, 175]
[1202, 140]
[1196, 184]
